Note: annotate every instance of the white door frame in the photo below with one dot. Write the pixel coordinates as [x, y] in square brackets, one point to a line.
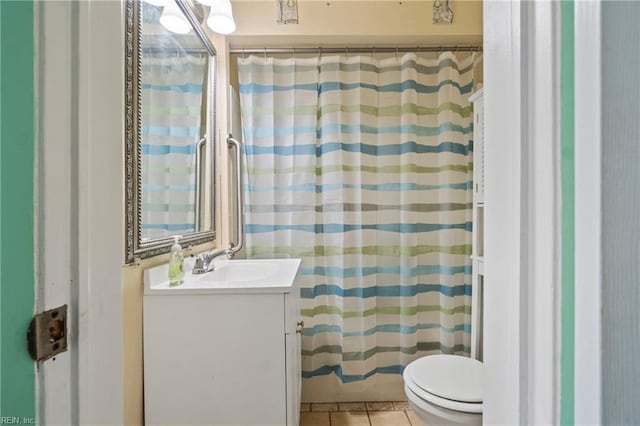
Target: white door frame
[521, 47]
[80, 206]
[521, 292]
[56, 245]
[588, 225]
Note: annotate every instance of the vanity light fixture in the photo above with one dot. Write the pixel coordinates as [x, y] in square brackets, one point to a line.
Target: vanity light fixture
[287, 11]
[220, 18]
[174, 20]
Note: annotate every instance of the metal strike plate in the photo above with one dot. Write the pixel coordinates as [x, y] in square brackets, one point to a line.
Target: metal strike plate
[47, 334]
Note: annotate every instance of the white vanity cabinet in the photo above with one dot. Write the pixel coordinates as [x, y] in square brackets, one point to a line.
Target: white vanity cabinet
[222, 358]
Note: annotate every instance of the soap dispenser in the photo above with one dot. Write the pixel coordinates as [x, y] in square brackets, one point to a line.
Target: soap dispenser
[176, 259]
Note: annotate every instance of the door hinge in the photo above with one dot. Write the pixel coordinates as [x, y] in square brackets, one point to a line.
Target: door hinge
[47, 334]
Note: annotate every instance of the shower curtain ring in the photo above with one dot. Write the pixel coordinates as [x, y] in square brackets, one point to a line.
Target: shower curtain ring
[397, 49]
[373, 52]
[265, 53]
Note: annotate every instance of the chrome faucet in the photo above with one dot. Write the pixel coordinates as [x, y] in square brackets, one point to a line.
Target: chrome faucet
[204, 262]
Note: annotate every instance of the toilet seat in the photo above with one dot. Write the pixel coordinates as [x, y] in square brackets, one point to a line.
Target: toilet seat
[449, 381]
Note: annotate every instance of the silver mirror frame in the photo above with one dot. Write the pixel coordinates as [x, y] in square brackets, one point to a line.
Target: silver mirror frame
[136, 249]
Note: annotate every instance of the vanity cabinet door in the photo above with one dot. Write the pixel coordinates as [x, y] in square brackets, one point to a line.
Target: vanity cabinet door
[293, 335]
[294, 380]
[215, 359]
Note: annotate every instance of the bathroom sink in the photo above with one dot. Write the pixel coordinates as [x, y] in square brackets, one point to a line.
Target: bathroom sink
[229, 276]
[241, 271]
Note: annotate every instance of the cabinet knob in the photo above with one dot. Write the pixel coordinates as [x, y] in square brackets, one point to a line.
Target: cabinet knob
[300, 326]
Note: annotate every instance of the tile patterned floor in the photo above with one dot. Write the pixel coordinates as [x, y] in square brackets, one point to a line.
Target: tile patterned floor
[390, 413]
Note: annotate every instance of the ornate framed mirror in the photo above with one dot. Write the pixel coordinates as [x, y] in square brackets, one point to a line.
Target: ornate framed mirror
[170, 81]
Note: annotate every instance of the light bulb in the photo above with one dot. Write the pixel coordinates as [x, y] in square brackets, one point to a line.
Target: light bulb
[220, 17]
[174, 20]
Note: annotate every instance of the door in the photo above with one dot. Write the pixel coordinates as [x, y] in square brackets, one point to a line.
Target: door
[31, 279]
[56, 228]
[80, 206]
[17, 390]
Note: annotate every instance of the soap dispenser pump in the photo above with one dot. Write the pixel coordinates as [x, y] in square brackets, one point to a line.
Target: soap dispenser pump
[176, 260]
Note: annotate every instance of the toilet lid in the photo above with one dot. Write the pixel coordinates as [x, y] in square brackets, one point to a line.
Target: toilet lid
[451, 377]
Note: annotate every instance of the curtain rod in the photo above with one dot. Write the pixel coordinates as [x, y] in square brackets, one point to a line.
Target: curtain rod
[354, 49]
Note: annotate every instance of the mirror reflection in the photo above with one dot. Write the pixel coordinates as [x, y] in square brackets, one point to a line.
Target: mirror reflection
[174, 76]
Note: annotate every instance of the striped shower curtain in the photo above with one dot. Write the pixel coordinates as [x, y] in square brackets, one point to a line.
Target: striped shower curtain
[362, 167]
[172, 124]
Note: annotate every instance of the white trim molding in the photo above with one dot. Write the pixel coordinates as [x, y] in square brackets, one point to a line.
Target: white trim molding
[521, 292]
[588, 207]
[100, 151]
[542, 160]
[56, 233]
[503, 174]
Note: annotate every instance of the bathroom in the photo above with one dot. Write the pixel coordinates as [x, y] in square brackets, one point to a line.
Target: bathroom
[429, 312]
[81, 239]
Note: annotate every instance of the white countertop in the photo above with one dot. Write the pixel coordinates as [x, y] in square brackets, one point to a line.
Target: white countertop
[229, 276]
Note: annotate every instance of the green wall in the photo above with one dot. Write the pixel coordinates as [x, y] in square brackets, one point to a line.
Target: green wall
[17, 140]
[567, 168]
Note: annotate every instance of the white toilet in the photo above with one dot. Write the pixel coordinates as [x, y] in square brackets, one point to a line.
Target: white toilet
[445, 389]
